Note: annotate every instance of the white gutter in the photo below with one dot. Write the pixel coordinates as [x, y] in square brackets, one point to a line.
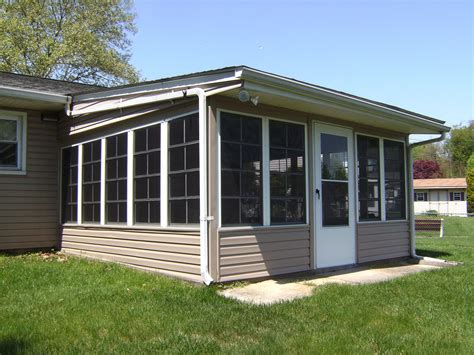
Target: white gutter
[305, 89]
[33, 95]
[411, 190]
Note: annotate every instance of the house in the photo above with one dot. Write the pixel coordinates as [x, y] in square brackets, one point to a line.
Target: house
[446, 196]
[221, 175]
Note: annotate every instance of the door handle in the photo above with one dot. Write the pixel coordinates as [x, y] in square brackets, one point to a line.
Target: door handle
[317, 193]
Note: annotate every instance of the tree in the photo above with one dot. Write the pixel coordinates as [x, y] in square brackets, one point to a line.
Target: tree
[426, 169]
[470, 184]
[460, 146]
[75, 40]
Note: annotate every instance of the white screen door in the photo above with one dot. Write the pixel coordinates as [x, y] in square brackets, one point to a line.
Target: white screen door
[334, 196]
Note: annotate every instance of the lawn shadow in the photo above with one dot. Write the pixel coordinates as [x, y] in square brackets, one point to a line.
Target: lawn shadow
[431, 253]
[13, 346]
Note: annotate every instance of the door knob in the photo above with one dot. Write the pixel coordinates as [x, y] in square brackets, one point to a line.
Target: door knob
[317, 193]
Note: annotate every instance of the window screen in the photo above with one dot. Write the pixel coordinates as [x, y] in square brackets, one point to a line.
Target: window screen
[241, 169]
[287, 172]
[147, 174]
[368, 168]
[69, 185]
[394, 159]
[116, 179]
[183, 155]
[91, 154]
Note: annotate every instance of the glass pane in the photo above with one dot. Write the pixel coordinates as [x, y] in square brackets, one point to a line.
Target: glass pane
[176, 159]
[122, 144]
[295, 211]
[154, 161]
[278, 213]
[251, 130]
[192, 128]
[8, 154]
[112, 191]
[192, 183]
[140, 140]
[277, 185]
[230, 211]
[87, 174]
[192, 156]
[177, 185]
[177, 211]
[112, 212]
[96, 147]
[251, 211]
[154, 185]
[111, 169]
[86, 152]
[278, 160]
[230, 181]
[122, 189]
[176, 132]
[335, 203]
[251, 184]
[334, 157]
[395, 208]
[295, 161]
[154, 137]
[111, 149]
[141, 188]
[251, 157]
[8, 130]
[193, 211]
[230, 156]
[230, 127]
[277, 134]
[296, 136]
[141, 212]
[122, 167]
[154, 207]
[296, 185]
[122, 215]
[369, 210]
[96, 171]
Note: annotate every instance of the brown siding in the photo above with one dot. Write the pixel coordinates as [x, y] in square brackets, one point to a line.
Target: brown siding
[171, 252]
[379, 241]
[28, 203]
[252, 253]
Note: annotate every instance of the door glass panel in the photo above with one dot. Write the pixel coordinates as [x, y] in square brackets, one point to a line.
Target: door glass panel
[335, 176]
[335, 203]
[334, 158]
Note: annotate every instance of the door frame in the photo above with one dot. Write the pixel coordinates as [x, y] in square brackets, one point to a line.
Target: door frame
[317, 128]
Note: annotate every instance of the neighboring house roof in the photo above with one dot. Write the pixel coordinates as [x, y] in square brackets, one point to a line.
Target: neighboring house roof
[51, 86]
[454, 183]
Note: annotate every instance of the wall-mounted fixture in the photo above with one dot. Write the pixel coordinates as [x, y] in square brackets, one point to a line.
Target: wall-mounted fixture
[244, 96]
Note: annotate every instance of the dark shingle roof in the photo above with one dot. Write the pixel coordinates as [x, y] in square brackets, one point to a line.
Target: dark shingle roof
[44, 85]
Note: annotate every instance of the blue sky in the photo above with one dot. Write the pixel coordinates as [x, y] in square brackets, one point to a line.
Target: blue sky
[414, 54]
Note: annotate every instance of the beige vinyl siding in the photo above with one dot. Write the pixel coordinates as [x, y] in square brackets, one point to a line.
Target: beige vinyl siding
[382, 240]
[175, 253]
[253, 253]
[29, 203]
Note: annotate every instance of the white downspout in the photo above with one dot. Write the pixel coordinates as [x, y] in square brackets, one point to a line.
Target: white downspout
[411, 191]
[203, 208]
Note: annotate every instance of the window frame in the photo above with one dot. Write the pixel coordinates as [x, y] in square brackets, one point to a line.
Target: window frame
[130, 170]
[417, 193]
[21, 135]
[265, 173]
[383, 218]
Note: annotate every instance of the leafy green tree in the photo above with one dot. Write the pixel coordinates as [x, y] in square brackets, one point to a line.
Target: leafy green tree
[460, 146]
[470, 183]
[76, 40]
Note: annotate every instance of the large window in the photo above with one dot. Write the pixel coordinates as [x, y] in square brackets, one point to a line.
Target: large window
[184, 170]
[116, 179]
[91, 175]
[368, 168]
[287, 172]
[394, 161]
[241, 169]
[147, 174]
[69, 185]
[12, 128]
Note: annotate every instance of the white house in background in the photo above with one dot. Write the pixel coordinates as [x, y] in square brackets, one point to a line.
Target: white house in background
[447, 196]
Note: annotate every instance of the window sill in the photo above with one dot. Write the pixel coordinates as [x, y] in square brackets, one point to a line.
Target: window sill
[386, 221]
[276, 227]
[12, 172]
[133, 227]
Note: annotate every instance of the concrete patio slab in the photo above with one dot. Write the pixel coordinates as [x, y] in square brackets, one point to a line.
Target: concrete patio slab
[282, 290]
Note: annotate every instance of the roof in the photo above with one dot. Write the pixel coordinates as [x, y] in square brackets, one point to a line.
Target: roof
[35, 83]
[243, 67]
[456, 183]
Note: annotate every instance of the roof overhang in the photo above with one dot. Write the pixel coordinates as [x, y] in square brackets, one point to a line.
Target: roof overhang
[31, 99]
[272, 90]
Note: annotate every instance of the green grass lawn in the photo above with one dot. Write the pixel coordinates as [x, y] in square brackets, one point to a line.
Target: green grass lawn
[75, 305]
